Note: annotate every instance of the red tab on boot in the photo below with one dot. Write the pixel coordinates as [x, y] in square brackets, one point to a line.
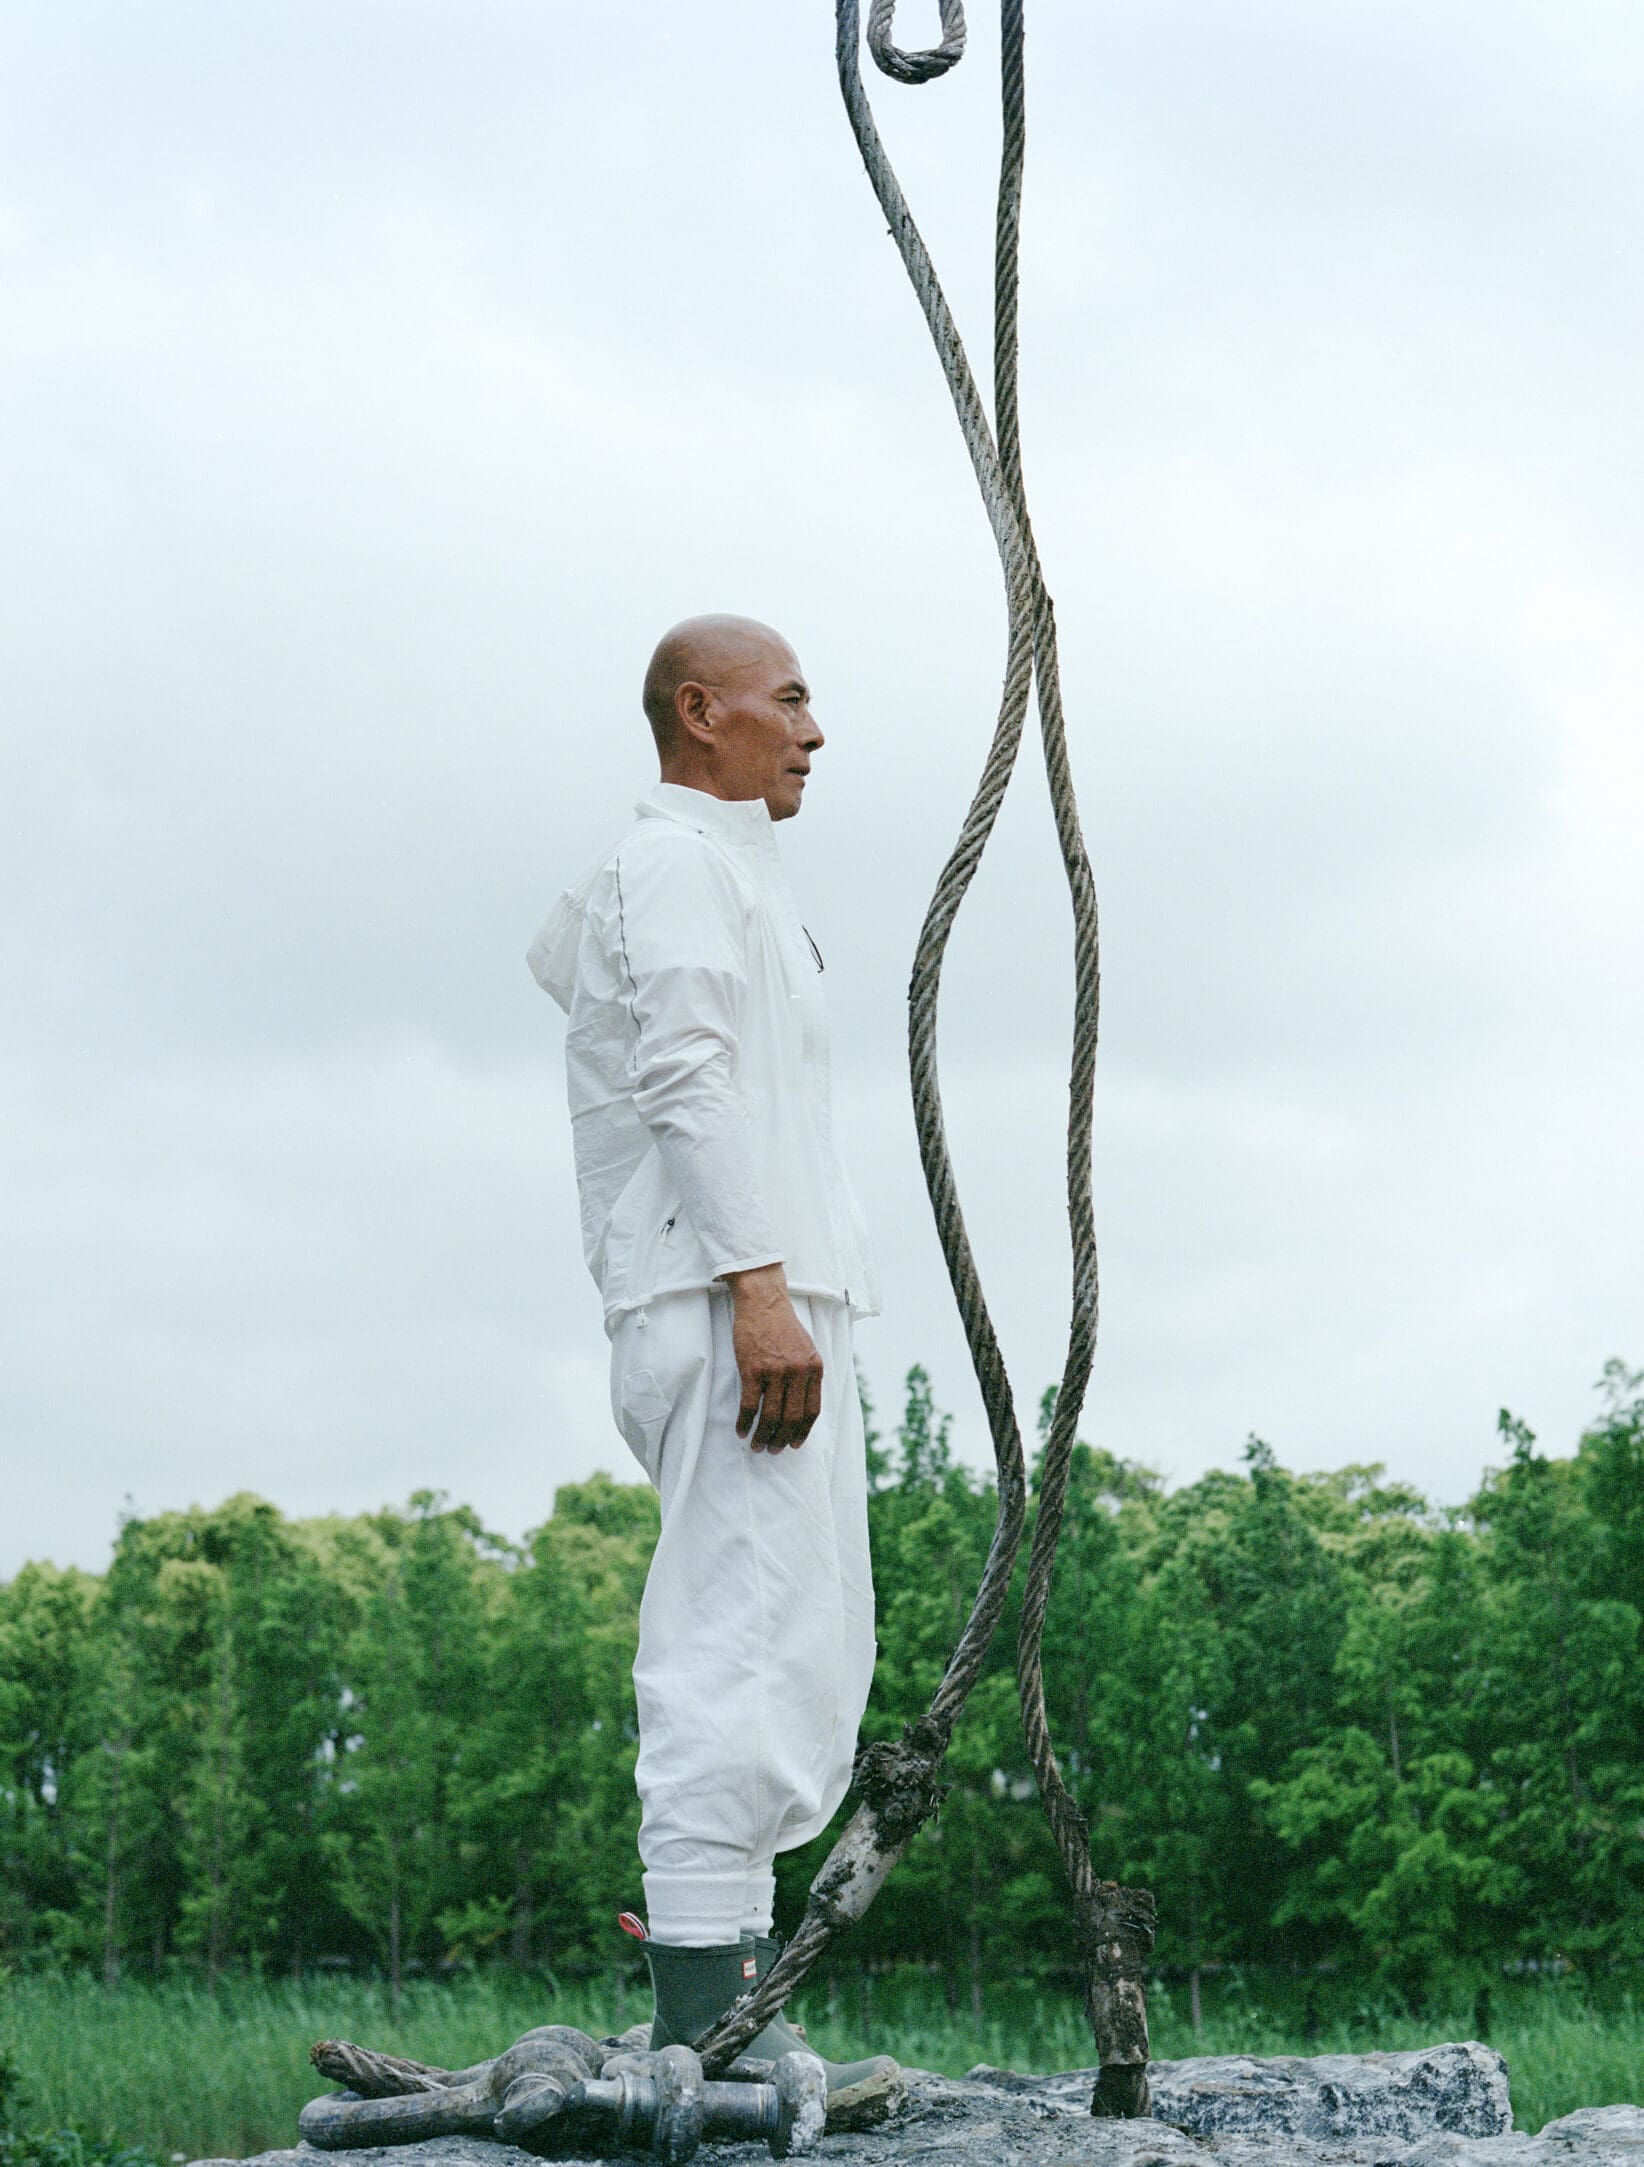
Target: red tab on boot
[632, 1925]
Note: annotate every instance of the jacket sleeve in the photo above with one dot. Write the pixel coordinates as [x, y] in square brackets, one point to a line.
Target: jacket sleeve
[675, 918]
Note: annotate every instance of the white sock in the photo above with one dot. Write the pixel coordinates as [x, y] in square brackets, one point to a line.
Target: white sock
[695, 1911]
[760, 1902]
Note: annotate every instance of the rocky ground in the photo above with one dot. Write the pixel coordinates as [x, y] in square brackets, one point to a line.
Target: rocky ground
[1444, 2107]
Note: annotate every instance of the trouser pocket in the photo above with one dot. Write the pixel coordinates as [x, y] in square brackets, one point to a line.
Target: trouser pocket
[641, 1409]
[655, 1354]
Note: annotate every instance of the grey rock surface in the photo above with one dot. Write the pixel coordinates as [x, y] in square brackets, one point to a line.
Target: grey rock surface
[1445, 2107]
[1324, 2096]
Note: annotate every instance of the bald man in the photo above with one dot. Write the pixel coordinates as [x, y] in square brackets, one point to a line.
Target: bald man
[732, 1259]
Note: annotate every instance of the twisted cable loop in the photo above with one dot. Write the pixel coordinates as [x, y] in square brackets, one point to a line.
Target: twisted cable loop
[904, 1789]
[923, 67]
[924, 989]
[898, 1782]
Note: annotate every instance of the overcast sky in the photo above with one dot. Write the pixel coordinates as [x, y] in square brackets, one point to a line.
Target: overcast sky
[380, 379]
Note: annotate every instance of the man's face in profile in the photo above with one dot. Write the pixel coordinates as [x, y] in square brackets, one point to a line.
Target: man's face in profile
[763, 729]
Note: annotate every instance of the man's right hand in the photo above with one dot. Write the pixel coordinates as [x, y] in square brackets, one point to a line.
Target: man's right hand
[776, 1359]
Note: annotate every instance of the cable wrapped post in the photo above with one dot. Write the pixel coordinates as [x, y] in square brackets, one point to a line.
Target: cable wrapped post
[1118, 1940]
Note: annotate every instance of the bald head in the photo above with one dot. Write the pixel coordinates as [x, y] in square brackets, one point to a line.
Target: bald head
[716, 650]
[730, 710]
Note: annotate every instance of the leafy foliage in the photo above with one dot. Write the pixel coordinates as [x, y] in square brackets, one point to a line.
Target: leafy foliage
[1329, 1725]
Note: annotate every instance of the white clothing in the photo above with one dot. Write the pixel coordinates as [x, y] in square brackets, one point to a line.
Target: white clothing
[697, 1066]
[698, 1079]
[756, 1638]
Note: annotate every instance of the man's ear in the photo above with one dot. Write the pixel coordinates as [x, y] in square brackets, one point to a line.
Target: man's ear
[693, 707]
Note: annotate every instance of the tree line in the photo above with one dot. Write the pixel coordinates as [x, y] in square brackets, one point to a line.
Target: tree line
[1328, 1723]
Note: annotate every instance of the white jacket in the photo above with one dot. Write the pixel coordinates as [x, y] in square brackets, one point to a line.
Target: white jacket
[696, 1063]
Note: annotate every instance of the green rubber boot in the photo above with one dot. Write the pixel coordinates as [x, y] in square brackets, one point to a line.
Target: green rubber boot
[694, 1987]
[859, 2093]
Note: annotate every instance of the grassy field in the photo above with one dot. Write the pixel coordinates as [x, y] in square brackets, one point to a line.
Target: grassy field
[177, 2070]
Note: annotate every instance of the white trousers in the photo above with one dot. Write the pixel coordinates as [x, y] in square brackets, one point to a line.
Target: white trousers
[756, 1629]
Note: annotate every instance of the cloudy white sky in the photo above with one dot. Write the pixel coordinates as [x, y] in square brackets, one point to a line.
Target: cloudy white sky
[378, 380]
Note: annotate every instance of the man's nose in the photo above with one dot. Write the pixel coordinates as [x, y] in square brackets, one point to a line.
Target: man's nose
[811, 735]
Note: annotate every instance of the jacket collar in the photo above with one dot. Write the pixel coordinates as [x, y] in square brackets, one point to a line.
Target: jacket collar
[744, 823]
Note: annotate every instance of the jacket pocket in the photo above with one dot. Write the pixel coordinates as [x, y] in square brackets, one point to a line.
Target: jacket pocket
[647, 1231]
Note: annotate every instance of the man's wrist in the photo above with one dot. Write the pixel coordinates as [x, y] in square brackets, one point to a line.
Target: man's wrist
[759, 1283]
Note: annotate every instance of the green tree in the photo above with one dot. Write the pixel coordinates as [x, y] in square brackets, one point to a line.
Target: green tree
[1560, 1700]
[1610, 1472]
[221, 1913]
[1324, 1722]
[415, 1668]
[548, 1812]
[47, 1717]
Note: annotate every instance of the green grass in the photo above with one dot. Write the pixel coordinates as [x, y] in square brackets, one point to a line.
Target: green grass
[175, 2069]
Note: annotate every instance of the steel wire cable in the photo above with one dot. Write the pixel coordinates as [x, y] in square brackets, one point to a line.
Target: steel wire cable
[899, 1781]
